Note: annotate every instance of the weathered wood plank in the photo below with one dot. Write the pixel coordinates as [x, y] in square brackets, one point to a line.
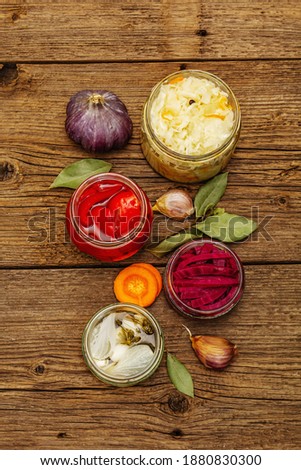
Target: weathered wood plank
[50, 400]
[34, 98]
[156, 30]
[85, 419]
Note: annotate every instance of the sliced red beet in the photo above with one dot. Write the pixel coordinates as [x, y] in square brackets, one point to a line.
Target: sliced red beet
[216, 249]
[206, 277]
[221, 262]
[187, 255]
[224, 300]
[188, 293]
[199, 259]
[204, 308]
[199, 304]
[205, 248]
[209, 281]
[211, 295]
[232, 263]
[196, 271]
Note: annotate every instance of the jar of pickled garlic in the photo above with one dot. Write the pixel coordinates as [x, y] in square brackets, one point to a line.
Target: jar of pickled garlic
[190, 126]
[109, 217]
[123, 344]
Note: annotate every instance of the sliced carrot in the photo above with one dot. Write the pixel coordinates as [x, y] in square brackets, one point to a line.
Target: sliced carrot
[215, 116]
[154, 270]
[136, 284]
[176, 80]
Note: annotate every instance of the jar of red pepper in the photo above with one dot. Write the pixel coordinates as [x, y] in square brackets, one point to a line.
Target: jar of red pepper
[204, 279]
[109, 217]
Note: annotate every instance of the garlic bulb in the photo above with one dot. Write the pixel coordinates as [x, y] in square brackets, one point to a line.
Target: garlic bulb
[98, 120]
[175, 203]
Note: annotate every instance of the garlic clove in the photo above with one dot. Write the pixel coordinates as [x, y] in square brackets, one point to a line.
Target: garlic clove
[132, 362]
[175, 203]
[213, 351]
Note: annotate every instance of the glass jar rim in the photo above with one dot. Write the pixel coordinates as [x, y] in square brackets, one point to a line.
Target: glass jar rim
[159, 346]
[172, 153]
[198, 313]
[110, 176]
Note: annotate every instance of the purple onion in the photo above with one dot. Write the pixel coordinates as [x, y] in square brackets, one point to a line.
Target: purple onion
[98, 121]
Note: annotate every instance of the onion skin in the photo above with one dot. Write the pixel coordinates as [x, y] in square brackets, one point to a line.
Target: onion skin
[98, 121]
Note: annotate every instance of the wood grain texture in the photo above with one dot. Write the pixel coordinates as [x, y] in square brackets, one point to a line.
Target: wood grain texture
[50, 400]
[154, 30]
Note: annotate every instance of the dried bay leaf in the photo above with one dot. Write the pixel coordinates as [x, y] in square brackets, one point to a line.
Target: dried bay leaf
[209, 194]
[179, 375]
[227, 227]
[174, 241]
[73, 175]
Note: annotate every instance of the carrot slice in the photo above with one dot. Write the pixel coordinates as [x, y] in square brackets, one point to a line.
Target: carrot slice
[153, 270]
[176, 80]
[137, 285]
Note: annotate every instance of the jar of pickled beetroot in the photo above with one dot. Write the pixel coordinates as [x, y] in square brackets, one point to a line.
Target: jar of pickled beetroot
[190, 126]
[204, 279]
[109, 217]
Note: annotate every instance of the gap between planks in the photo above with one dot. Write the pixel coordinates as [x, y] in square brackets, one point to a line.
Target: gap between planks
[117, 265]
[150, 61]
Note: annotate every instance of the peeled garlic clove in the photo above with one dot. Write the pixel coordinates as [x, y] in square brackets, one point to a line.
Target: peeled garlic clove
[214, 352]
[133, 362]
[101, 340]
[175, 203]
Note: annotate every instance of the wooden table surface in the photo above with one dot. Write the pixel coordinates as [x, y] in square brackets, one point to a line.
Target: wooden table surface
[48, 398]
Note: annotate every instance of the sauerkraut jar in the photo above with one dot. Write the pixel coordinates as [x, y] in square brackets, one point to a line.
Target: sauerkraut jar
[190, 126]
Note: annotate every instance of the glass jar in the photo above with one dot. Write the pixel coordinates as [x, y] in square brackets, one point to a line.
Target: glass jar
[180, 305]
[158, 344]
[135, 224]
[188, 168]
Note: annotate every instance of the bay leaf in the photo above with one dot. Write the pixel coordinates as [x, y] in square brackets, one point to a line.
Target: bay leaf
[172, 242]
[209, 194]
[218, 211]
[179, 375]
[227, 227]
[73, 175]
